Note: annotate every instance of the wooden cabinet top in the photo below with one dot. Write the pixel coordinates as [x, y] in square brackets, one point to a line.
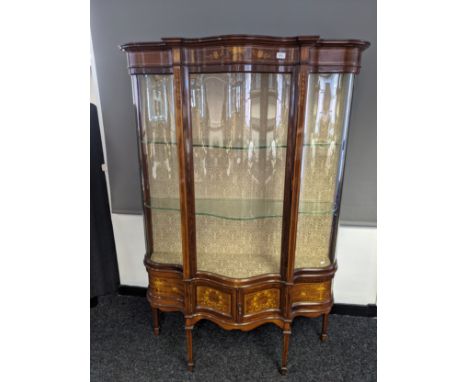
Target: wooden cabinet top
[240, 52]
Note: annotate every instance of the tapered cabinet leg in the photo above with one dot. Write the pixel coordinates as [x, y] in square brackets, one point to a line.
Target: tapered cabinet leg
[155, 314]
[324, 335]
[188, 332]
[284, 358]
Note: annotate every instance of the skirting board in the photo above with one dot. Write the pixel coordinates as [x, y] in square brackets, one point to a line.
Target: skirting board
[342, 309]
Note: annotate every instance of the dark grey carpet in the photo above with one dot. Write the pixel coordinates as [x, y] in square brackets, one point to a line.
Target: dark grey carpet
[123, 348]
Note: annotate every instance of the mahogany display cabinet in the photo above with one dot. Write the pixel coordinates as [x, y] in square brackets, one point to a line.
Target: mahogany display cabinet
[242, 144]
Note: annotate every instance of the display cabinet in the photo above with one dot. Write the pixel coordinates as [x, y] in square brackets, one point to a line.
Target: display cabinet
[242, 143]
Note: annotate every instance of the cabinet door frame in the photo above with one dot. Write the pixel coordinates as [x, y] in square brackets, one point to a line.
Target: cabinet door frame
[184, 128]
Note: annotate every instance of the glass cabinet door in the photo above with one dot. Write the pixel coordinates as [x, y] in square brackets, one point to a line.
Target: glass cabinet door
[159, 149]
[239, 133]
[327, 111]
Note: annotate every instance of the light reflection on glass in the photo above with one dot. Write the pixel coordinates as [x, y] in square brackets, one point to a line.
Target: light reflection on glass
[326, 105]
[160, 152]
[239, 133]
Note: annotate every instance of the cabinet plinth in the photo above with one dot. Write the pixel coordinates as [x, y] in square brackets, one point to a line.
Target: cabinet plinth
[242, 143]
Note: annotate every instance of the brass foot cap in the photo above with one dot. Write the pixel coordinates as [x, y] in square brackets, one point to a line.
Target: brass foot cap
[190, 367]
[156, 331]
[324, 337]
[283, 370]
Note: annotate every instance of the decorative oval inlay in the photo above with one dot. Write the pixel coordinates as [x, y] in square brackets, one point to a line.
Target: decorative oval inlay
[214, 299]
[262, 300]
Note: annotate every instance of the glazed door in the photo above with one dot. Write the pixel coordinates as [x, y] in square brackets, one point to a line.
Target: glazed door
[327, 110]
[159, 166]
[239, 135]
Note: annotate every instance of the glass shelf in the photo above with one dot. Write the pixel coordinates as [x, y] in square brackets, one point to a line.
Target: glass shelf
[146, 142]
[242, 209]
[217, 146]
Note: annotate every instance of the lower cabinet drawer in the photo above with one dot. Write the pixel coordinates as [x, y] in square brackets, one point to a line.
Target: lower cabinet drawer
[166, 289]
[311, 293]
[262, 300]
[216, 300]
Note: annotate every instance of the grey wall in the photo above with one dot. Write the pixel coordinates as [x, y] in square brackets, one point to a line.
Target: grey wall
[114, 22]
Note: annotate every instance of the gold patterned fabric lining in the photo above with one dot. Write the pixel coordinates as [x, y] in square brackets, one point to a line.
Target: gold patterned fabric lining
[325, 115]
[237, 158]
[163, 171]
[167, 239]
[234, 175]
[159, 137]
[238, 248]
[249, 248]
[313, 240]
[319, 168]
[239, 124]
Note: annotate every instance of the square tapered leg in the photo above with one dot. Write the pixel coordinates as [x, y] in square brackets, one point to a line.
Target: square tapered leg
[284, 358]
[155, 315]
[188, 332]
[324, 335]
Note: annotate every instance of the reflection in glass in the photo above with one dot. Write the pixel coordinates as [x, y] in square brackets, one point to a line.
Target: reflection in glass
[158, 146]
[239, 131]
[327, 106]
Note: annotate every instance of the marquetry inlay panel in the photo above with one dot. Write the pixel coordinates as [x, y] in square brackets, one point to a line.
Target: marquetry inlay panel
[311, 292]
[149, 59]
[213, 299]
[166, 287]
[256, 302]
[241, 54]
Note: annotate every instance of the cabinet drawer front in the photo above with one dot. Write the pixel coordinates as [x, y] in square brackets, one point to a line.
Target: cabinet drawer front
[311, 293]
[214, 299]
[261, 301]
[166, 288]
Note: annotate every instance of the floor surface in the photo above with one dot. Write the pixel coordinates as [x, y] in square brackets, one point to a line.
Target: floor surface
[123, 348]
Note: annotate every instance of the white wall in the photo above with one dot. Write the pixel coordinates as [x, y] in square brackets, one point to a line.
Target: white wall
[355, 281]
[356, 252]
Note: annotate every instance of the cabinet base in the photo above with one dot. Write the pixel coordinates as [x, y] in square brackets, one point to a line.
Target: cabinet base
[240, 304]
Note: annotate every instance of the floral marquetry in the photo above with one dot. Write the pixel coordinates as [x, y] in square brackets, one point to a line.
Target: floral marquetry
[166, 287]
[239, 54]
[256, 302]
[311, 292]
[213, 299]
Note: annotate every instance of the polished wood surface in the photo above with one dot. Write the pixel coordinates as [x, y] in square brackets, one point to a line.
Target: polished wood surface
[247, 303]
[319, 55]
[155, 316]
[324, 334]
[284, 357]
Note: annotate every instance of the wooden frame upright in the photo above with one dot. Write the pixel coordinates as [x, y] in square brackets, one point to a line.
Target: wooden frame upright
[293, 292]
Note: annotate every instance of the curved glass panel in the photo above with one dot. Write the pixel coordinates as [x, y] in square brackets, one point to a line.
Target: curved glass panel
[158, 134]
[239, 132]
[327, 109]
